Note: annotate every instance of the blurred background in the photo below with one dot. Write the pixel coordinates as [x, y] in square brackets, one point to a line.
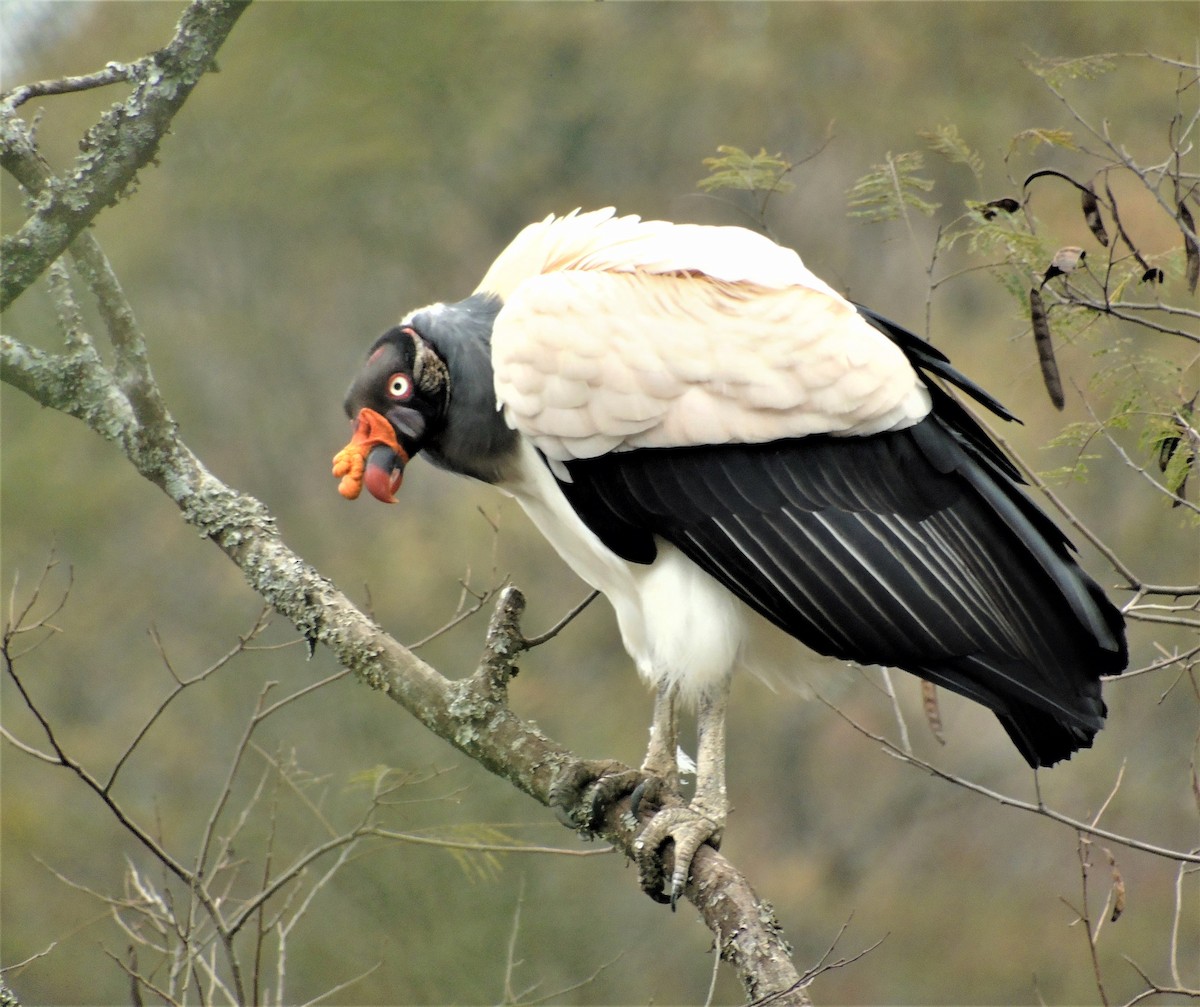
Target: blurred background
[352, 161]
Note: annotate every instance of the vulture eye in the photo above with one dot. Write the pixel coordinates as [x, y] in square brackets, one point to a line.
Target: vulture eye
[400, 387]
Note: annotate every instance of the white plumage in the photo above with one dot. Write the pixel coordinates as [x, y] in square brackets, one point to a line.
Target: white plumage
[682, 629]
[610, 356]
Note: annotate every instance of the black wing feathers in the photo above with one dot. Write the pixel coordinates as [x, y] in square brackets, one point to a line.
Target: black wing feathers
[926, 357]
[913, 548]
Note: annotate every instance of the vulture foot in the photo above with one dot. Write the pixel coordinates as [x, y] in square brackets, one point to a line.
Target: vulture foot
[688, 828]
[584, 793]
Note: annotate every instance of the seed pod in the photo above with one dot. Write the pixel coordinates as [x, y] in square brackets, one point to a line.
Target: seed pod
[1005, 205]
[1166, 450]
[1149, 273]
[1118, 882]
[1178, 452]
[1045, 348]
[933, 710]
[1091, 214]
[1190, 248]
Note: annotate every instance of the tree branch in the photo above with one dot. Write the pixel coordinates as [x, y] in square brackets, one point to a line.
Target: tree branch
[1039, 808]
[123, 142]
[471, 714]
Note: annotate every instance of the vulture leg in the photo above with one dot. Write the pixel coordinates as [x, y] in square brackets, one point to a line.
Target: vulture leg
[662, 757]
[596, 786]
[703, 820]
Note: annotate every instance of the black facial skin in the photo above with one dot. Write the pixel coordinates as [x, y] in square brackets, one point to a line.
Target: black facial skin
[450, 413]
[417, 415]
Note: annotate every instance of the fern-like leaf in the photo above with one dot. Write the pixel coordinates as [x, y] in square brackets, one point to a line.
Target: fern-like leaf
[736, 169]
[945, 140]
[1056, 72]
[1030, 139]
[890, 189]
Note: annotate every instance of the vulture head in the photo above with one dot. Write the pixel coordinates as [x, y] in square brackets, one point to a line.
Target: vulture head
[401, 401]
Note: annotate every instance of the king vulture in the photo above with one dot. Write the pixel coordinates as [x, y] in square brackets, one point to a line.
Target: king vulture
[728, 449]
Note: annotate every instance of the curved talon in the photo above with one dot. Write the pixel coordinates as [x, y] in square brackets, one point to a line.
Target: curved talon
[585, 791]
[688, 829]
[650, 789]
[591, 788]
[651, 877]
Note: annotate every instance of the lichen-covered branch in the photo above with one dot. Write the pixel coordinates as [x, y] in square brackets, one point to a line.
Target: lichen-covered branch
[124, 140]
[123, 405]
[470, 714]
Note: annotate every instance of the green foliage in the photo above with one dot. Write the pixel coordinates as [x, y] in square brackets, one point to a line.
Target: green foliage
[380, 778]
[1140, 392]
[1065, 305]
[990, 233]
[1177, 464]
[1057, 71]
[1172, 440]
[1030, 139]
[945, 140]
[889, 190]
[479, 864]
[735, 169]
[762, 175]
[1078, 470]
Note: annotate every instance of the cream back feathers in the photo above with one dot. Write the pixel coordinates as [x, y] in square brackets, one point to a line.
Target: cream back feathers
[617, 333]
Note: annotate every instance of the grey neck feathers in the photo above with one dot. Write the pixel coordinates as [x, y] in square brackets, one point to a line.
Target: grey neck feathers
[475, 440]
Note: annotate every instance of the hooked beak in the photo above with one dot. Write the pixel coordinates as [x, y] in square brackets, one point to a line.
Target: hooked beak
[374, 457]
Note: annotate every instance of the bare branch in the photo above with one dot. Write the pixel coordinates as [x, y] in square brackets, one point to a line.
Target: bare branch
[123, 142]
[139, 980]
[112, 73]
[475, 847]
[1154, 989]
[1082, 850]
[181, 685]
[1176, 919]
[334, 990]
[29, 750]
[558, 627]
[17, 966]
[459, 618]
[1180, 856]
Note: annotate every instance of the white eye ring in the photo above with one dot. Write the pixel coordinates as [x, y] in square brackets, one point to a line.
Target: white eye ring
[400, 386]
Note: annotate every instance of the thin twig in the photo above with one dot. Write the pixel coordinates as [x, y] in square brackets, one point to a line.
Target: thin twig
[462, 616]
[474, 847]
[890, 690]
[510, 955]
[341, 986]
[181, 685]
[1085, 864]
[1154, 989]
[1179, 856]
[558, 627]
[1111, 794]
[17, 966]
[113, 73]
[560, 994]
